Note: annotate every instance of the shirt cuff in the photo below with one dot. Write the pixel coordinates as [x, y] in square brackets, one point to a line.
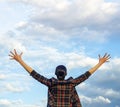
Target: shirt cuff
[87, 74]
[33, 73]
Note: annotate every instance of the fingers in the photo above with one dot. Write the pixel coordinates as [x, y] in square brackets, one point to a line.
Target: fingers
[11, 53]
[99, 56]
[105, 55]
[15, 51]
[14, 54]
[108, 56]
[21, 53]
[11, 56]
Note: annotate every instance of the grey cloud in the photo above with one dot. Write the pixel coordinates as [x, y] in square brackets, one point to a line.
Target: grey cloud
[54, 19]
[77, 15]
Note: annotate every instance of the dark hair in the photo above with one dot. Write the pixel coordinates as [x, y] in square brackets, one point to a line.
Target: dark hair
[61, 67]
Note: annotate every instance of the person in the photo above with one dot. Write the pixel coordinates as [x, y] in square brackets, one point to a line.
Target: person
[61, 91]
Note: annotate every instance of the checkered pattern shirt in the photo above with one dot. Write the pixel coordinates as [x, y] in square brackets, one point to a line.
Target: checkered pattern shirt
[61, 93]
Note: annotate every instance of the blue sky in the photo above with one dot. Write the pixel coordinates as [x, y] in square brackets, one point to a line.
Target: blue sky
[53, 32]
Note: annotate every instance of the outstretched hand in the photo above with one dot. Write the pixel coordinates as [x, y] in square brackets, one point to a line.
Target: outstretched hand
[104, 59]
[15, 56]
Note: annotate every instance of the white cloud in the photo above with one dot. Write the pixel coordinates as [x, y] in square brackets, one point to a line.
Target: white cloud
[2, 76]
[82, 86]
[71, 59]
[115, 63]
[16, 103]
[10, 42]
[110, 69]
[102, 99]
[112, 93]
[77, 60]
[98, 99]
[14, 83]
[98, 90]
[13, 88]
[5, 103]
[21, 25]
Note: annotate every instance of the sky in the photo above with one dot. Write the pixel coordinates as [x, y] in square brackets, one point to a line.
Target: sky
[54, 32]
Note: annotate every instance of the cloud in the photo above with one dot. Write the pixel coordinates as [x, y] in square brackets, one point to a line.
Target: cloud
[2, 76]
[13, 88]
[98, 99]
[98, 90]
[14, 83]
[21, 25]
[53, 34]
[53, 55]
[102, 99]
[40, 32]
[108, 92]
[9, 41]
[70, 59]
[110, 69]
[5, 103]
[16, 103]
[58, 13]
[55, 20]
[75, 60]
[112, 93]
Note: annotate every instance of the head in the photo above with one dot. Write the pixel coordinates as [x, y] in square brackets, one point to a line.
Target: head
[61, 72]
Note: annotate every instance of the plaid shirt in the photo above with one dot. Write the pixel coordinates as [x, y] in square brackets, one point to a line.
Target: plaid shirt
[61, 93]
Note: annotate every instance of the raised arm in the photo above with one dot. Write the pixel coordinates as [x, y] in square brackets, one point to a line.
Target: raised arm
[102, 60]
[18, 57]
[86, 75]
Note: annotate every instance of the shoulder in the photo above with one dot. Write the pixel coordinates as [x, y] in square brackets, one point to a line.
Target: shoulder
[53, 79]
[70, 78]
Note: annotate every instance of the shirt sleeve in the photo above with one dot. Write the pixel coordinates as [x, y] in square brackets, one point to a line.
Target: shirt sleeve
[40, 78]
[81, 78]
